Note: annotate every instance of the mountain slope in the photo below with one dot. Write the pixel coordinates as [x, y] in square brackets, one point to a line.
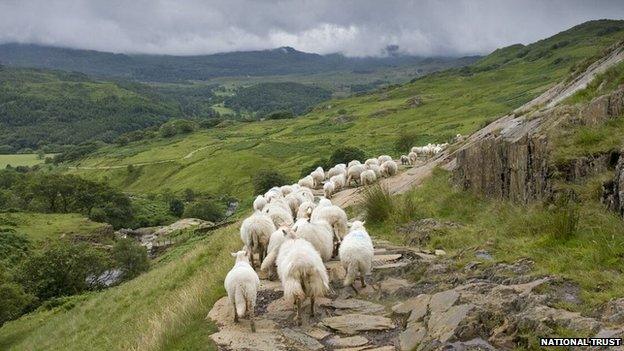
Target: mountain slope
[163, 68]
[453, 101]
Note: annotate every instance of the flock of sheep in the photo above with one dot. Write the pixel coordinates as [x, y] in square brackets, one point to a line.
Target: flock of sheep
[293, 235]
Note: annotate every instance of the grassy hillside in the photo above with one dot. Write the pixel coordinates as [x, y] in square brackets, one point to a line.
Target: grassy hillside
[39, 227]
[22, 160]
[453, 101]
[163, 309]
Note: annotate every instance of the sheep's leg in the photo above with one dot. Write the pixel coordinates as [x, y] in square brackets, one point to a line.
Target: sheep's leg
[251, 312]
[235, 314]
[297, 310]
[362, 280]
[311, 306]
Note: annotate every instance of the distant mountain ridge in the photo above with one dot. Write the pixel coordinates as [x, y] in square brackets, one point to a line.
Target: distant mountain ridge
[280, 61]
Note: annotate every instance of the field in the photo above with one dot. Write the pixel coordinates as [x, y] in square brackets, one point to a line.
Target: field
[223, 159]
[48, 226]
[21, 160]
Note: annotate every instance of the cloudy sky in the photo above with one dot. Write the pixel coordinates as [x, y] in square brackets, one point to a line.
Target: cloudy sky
[355, 27]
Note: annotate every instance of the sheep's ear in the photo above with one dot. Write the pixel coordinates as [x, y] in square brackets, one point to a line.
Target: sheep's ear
[284, 231]
[233, 254]
[363, 222]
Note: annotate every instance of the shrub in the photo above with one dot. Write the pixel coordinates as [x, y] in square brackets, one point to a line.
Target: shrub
[208, 210]
[130, 258]
[323, 162]
[62, 269]
[345, 154]
[97, 215]
[176, 207]
[405, 141]
[564, 217]
[13, 299]
[377, 203]
[13, 247]
[266, 179]
[280, 115]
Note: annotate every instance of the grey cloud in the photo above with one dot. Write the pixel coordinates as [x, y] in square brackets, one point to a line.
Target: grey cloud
[354, 27]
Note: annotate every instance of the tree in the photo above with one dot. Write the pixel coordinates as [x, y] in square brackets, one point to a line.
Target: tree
[13, 298]
[176, 207]
[208, 210]
[62, 269]
[130, 257]
[266, 179]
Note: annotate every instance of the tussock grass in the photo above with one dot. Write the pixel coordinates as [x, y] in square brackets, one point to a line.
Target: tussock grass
[377, 203]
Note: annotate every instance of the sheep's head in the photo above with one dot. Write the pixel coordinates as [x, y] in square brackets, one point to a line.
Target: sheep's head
[356, 225]
[241, 256]
[288, 232]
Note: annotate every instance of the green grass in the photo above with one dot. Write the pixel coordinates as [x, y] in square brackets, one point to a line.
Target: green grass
[163, 309]
[48, 226]
[454, 101]
[21, 160]
[589, 253]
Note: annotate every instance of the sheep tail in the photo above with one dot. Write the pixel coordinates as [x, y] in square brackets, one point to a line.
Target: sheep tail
[240, 301]
[352, 268]
[293, 288]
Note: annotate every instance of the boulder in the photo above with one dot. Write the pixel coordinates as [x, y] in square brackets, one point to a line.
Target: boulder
[301, 339]
[413, 335]
[350, 341]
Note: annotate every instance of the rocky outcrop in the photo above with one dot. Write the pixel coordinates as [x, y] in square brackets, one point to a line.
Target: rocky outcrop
[506, 168]
[604, 107]
[613, 190]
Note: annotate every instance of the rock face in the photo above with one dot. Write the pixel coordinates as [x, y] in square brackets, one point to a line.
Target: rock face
[613, 190]
[604, 107]
[506, 167]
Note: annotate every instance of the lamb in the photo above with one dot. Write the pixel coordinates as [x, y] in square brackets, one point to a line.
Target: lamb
[318, 175]
[319, 233]
[337, 219]
[354, 172]
[241, 284]
[305, 210]
[405, 160]
[275, 241]
[278, 214]
[353, 163]
[307, 182]
[302, 273]
[384, 158]
[368, 177]
[329, 188]
[259, 203]
[339, 181]
[255, 232]
[389, 168]
[356, 254]
[372, 161]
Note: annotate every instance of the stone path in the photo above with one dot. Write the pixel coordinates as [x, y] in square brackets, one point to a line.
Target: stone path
[415, 300]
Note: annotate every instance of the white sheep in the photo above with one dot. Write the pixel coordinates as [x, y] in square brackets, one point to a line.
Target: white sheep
[324, 202]
[413, 157]
[354, 172]
[307, 182]
[259, 203]
[278, 214]
[329, 188]
[356, 254]
[353, 163]
[273, 193]
[319, 234]
[389, 168]
[275, 241]
[405, 160]
[302, 273]
[305, 210]
[318, 175]
[375, 168]
[255, 232]
[384, 158]
[286, 189]
[334, 171]
[337, 219]
[367, 177]
[372, 161]
[241, 284]
[306, 193]
[339, 181]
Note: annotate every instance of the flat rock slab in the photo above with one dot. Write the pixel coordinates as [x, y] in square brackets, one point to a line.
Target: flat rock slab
[412, 336]
[350, 341]
[301, 339]
[442, 325]
[392, 285]
[381, 259]
[318, 333]
[391, 265]
[442, 301]
[416, 307]
[355, 323]
[350, 306]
